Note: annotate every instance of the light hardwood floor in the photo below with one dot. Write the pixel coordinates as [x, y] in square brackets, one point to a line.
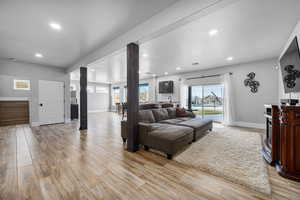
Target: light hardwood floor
[59, 162]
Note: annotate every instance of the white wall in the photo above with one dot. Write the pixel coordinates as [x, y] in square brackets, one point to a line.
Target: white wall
[176, 92]
[97, 102]
[249, 106]
[33, 72]
[294, 95]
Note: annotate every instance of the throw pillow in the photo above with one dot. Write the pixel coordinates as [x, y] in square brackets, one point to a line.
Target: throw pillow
[181, 112]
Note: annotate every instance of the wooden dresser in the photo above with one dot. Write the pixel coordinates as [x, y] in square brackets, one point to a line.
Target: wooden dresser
[281, 143]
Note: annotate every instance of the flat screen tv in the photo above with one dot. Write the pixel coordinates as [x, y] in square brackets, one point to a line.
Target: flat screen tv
[290, 68]
[166, 87]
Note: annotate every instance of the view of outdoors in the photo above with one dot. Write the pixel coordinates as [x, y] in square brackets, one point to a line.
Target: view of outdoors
[116, 95]
[143, 93]
[207, 101]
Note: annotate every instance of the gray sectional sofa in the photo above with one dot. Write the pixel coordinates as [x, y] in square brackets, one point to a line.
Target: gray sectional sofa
[163, 130]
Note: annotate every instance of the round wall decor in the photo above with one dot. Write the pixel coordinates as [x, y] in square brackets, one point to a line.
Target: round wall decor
[291, 76]
[253, 84]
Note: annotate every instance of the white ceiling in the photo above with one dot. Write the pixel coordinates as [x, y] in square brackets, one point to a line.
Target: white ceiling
[248, 30]
[86, 25]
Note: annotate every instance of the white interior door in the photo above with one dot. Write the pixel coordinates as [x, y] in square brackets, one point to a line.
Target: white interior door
[51, 102]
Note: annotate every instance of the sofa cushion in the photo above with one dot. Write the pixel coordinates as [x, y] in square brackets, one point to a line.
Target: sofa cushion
[184, 118]
[169, 138]
[170, 133]
[181, 112]
[196, 123]
[171, 121]
[146, 116]
[172, 113]
[160, 114]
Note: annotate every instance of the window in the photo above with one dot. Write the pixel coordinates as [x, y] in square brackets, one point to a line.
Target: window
[143, 93]
[90, 89]
[208, 101]
[116, 95]
[22, 84]
[100, 89]
[125, 94]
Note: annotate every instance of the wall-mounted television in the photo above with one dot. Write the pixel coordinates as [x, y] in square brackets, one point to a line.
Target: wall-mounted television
[290, 68]
[166, 87]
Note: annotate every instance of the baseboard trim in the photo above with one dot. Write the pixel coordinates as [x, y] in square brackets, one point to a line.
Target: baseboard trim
[35, 124]
[67, 121]
[96, 111]
[249, 125]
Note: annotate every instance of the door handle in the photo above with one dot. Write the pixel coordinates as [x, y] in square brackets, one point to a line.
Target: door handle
[41, 105]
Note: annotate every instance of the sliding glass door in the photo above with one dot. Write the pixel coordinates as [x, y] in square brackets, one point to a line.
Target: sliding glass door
[208, 101]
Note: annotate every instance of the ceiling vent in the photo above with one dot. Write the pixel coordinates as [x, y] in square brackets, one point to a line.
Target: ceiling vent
[12, 59]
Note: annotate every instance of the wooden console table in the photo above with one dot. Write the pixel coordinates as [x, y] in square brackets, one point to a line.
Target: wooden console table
[14, 111]
[281, 146]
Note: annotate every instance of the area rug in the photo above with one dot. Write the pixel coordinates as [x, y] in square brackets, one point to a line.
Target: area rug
[231, 153]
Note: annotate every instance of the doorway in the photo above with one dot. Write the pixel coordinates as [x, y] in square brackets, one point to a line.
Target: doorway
[51, 102]
[208, 101]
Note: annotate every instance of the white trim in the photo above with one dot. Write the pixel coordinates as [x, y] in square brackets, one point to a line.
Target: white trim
[249, 125]
[14, 99]
[67, 121]
[99, 110]
[35, 124]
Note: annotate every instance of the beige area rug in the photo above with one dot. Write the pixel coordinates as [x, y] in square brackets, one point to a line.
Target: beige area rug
[230, 153]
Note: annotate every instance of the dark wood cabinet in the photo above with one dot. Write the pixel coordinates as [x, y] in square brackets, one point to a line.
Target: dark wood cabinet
[14, 112]
[288, 164]
[74, 111]
[281, 142]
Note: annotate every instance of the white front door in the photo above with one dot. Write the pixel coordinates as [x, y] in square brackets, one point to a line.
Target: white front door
[51, 102]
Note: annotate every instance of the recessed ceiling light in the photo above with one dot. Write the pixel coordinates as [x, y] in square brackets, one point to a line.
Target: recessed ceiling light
[55, 26]
[166, 73]
[92, 70]
[213, 32]
[145, 55]
[229, 58]
[39, 55]
[178, 68]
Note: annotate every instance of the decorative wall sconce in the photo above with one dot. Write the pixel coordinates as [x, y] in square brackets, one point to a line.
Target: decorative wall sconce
[292, 75]
[253, 84]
